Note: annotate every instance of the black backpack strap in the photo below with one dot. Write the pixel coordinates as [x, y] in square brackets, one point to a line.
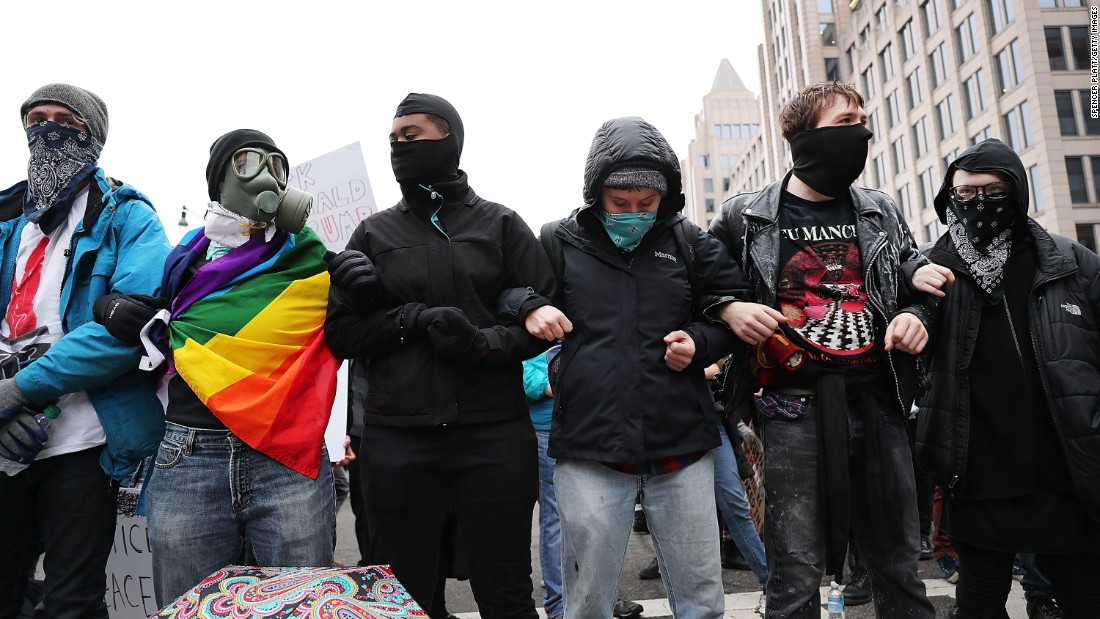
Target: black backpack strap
[686, 250]
[552, 245]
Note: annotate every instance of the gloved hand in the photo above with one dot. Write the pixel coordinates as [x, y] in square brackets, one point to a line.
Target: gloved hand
[11, 399]
[352, 272]
[125, 315]
[452, 334]
[22, 437]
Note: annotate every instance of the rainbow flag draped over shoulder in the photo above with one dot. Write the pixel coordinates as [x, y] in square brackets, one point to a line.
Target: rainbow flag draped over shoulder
[247, 336]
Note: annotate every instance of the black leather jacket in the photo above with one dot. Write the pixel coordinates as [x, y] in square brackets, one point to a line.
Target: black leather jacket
[747, 226]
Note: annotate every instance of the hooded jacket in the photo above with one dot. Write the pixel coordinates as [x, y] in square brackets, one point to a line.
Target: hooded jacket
[463, 256]
[747, 224]
[118, 246]
[1064, 317]
[615, 400]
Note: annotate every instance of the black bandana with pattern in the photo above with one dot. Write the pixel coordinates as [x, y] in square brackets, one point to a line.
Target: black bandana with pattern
[62, 158]
[982, 233]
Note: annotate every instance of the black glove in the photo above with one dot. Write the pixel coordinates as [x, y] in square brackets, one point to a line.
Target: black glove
[22, 437]
[352, 272]
[452, 334]
[125, 315]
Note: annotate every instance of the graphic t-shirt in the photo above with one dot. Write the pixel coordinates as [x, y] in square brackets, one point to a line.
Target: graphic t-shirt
[821, 292]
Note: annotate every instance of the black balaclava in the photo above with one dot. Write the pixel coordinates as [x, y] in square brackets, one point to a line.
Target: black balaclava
[983, 230]
[830, 159]
[426, 162]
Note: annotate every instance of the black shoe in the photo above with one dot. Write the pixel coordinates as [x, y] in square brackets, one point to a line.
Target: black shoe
[732, 557]
[1044, 609]
[858, 590]
[925, 549]
[650, 571]
[625, 609]
[641, 525]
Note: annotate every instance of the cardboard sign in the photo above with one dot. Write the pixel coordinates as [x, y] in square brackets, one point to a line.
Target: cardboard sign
[130, 567]
[342, 195]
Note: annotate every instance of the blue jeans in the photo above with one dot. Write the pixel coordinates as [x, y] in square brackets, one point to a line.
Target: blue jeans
[208, 492]
[596, 506]
[549, 530]
[69, 504]
[729, 492]
[793, 534]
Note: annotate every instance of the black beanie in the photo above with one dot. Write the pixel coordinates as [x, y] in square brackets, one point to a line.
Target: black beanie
[224, 147]
[418, 103]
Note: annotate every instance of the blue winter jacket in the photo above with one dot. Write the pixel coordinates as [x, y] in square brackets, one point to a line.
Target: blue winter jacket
[119, 246]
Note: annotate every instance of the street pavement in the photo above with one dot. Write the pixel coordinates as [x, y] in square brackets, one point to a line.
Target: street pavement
[743, 597]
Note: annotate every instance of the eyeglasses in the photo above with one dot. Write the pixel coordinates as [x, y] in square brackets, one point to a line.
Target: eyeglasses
[247, 163]
[992, 191]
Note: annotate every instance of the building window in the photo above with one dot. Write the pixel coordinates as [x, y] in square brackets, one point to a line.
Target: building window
[932, 231]
[850, 55]
[1075, 170]
[724, 162]
[966, 38]
[718, 132]
[824, 6]
[1055, 49]
[1017, 125]
[1079, 43]
[948, 158]
[1092, 124]
[920, 138]
[939, 61]
[710, 205]
[1096, 175]
[907, 41]
[893, 108]
[927, 188]
[1036, 191]
[1047, 4]
[869, 89]
[704, 161]
[1086, 236]
[737, 132]
[872, 124]
[727, 132]
[1007, 61]
[1000, 13]
[1067, 119]
[914, 88]
[981, 136]
[880, 171]
[882, 19]
[900, 162]
[945, 115]
[974, 90]
[828, 34]
[708, 185]
[886, 61]
[832, 69]
[904, 201]
[726, 184]
[931, 14]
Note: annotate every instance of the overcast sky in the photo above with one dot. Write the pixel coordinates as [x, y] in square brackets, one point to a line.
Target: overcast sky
[532, 81]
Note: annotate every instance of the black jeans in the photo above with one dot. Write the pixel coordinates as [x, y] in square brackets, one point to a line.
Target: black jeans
[489, 474]
[68, 503]
[985, 577]
[794, 540]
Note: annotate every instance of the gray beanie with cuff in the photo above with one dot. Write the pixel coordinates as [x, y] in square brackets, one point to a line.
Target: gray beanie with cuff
[637, 177]
[84, 103]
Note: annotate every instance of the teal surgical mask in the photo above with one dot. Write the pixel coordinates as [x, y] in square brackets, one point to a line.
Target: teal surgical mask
[626, 229]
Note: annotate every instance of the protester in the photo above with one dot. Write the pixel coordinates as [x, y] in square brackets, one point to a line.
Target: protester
[834, 328]
[71, 235]
[1009, 425]
[446, 414]
[633, 413]
[250, 379]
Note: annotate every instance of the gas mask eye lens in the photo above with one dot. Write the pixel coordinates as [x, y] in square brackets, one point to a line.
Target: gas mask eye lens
[247, 163]
[278, 167]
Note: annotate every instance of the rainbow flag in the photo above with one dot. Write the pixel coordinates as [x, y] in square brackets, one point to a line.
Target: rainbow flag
[247, 336]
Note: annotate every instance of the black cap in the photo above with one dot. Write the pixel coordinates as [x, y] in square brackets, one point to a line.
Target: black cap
[224, 147]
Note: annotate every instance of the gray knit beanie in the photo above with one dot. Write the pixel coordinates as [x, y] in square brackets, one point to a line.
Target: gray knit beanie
[637, 177]
[84, 103]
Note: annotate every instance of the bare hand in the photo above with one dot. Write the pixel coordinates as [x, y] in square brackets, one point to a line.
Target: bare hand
[906, 333]
[547, 322]
[752, 322]
[349, 455]
[680, 351]
[931, 278]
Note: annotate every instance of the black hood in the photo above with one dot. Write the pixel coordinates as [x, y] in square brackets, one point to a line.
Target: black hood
[628, 142]
[420, 103]
[990, 155]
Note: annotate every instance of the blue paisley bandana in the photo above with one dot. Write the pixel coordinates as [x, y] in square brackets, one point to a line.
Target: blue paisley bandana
[62, 158]
[626, 229]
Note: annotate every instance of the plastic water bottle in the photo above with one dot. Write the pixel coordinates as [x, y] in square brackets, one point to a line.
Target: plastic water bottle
[45, 419]
[836, 601]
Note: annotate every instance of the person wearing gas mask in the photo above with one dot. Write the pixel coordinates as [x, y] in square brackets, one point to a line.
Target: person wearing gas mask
[1009, 427]
[250, 379]
[446, 423]
[834, 330]
[71, 234]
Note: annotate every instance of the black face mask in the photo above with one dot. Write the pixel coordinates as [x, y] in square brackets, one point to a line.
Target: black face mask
[829, 159]
[425, 161]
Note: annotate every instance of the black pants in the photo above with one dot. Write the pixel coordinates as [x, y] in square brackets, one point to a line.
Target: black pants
[358, 507]
[488, 473]
[985, 577]
[69, 504]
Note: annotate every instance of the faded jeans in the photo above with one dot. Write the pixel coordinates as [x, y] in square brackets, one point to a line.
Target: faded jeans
[596, 506]
[549, 530]
[729, 492]
[793, 533]
[208, 492]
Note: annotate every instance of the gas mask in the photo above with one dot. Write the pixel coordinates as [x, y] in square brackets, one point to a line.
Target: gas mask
[255, 187]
